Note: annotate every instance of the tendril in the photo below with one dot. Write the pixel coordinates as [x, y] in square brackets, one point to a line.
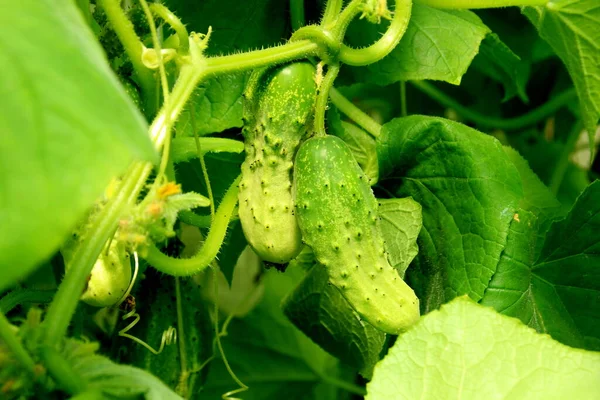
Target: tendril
[169, 336]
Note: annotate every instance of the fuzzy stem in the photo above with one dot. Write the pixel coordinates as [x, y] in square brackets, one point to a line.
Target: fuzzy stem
[323, 97]
[175, 23]
[355, 113]
[260, 58]
[472, 4]
[210, 248]
[332, 10]
[485, 121]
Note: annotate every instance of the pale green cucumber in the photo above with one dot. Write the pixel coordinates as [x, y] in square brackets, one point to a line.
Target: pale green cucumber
[337, 214]
[278, 107]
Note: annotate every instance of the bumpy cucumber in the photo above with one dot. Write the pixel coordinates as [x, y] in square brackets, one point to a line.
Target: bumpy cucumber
[278, 106]
[337, 214]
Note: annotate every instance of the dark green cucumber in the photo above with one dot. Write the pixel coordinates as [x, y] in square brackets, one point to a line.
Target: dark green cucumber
[278, 107]
[337, 214]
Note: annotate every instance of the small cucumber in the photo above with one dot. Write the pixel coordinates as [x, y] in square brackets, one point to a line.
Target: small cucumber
[278, 107]
[110, 276]
[337, 214]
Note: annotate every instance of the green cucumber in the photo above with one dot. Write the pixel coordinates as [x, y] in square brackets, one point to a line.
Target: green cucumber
[278, 107]
[337, 214]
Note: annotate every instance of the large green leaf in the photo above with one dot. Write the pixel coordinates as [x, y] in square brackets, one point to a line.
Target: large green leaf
[269, 355]
[67, 128]
[571, 28]
[469, 190]
[466, 351]
[558, 291]
[437, 45]
[318, 309]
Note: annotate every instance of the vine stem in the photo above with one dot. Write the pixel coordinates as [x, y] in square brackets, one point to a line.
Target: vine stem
[466, 4]
[175, 23]
[211, 246]
[355, 113]
[323, 97]
[12, 342]
[562, 164]
[332, 10]
[385, 44]
[485, 121]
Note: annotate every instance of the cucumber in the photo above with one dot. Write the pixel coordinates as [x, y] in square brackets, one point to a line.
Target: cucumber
[337, 214]
[110, 276]
[278, 107]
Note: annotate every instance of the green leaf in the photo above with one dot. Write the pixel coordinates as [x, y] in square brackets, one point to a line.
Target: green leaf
[290, 366]
[556, 293]
[571, 28]
[359, 142]
[157, 306]
[438, 45]
[217, 105]
[401, 222]
[496, 60]
[470, 352]
[319, 310]
[68, 127]
[469, 190]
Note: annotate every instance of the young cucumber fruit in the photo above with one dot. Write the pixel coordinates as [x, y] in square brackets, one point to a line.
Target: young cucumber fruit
[337, 214]
[278, 106]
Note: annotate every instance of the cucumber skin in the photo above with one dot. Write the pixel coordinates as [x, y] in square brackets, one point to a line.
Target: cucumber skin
[278, 107]
[337, 214]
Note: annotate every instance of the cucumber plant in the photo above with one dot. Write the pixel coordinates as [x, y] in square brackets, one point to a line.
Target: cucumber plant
[485, 190]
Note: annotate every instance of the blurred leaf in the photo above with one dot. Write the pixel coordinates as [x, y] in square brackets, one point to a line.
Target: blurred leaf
[571, 28]
[496, 60]
[67, 129]
[290, 366]
[457, 352]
